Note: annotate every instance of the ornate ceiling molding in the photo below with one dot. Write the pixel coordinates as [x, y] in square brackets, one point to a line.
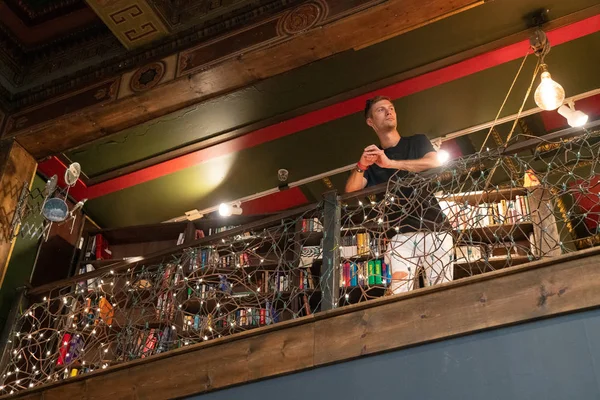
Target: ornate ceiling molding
[133, 22]
[41, 11]
[78, 49]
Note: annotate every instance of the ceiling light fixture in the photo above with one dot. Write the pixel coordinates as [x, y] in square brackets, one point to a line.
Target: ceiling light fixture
[549, 95]
[575, 118]
[227, 210]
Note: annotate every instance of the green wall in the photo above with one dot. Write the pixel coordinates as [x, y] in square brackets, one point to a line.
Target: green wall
[20, 265]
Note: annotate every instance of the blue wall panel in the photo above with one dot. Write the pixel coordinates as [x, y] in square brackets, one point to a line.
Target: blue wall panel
[558, 358]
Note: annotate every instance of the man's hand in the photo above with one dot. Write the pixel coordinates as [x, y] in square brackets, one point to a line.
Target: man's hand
[369, 155]
[383, 161]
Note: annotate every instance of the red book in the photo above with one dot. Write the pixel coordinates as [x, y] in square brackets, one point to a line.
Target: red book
[102, 252]
[347, 274]
[65, 343]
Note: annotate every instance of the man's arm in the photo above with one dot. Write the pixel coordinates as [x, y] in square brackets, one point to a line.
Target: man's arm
[428, 161]
[357, 181]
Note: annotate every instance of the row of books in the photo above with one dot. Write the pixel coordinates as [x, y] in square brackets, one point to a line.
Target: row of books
[202, 258]
[360, 244]
[88, 285]
[152, 341]
[312, 225]
[209, 290]
[97, 248]
[366, 273]
[506, 250]
[248, 316]
[270, 282]
[505, 211]
[70, 348]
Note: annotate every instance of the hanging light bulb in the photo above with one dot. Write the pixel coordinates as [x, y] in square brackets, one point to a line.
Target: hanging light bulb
[549, 95]
[575, 118]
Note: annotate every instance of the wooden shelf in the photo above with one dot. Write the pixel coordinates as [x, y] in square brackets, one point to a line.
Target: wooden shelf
[368, 257]
[311, 238]
[518, 231]
[466, 269]
[104, 263]
[143, 233]
[490, 196]
[356, 294]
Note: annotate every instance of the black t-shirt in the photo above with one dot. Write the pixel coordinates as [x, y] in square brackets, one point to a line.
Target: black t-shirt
[408, 148]
[413, 210]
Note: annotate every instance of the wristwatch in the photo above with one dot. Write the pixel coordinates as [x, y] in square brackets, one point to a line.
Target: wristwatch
[359, 169]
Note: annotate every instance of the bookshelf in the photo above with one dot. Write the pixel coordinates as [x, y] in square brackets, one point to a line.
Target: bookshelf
[500, 228]
[225, 285]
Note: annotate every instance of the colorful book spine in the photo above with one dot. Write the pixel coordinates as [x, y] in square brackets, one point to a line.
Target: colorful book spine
[377, 277]
[354, 274]
[65, 343]
[371, 272]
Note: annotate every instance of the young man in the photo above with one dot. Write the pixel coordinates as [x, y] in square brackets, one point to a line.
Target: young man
[419, 245]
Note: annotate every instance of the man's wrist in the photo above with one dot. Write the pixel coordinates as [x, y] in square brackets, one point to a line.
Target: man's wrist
[360, 168]
[397, 164]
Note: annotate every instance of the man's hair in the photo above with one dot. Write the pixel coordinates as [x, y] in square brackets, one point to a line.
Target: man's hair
[372, 101]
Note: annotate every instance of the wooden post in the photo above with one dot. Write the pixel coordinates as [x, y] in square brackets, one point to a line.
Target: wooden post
[17, 170]
[330, 269]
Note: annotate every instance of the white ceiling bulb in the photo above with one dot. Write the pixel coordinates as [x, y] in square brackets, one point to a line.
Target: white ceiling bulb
[574, 117]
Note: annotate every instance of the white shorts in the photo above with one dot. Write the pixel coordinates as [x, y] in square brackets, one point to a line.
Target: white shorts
[407, 253]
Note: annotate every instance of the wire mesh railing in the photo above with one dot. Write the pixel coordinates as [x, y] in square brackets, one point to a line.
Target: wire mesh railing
[229, 283]
[531, 199]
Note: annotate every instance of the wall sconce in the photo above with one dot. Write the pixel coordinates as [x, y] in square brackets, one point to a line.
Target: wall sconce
[226, 210]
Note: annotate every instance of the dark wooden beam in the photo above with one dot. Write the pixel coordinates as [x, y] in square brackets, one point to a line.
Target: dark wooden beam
[106, 114]
[540, 289]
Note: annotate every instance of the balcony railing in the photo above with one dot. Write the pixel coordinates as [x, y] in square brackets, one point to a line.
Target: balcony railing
[536, 198]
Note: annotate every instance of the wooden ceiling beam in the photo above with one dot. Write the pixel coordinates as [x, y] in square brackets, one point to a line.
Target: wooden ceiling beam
[99, 111]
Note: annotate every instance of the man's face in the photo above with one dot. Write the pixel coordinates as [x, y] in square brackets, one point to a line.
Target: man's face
[383, 116]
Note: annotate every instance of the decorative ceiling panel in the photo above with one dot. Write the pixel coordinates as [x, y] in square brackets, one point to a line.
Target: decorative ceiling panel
[133, 22]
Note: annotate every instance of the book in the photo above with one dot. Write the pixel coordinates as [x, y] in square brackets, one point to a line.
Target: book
[371, 272]
[106, 311]
[378, 278]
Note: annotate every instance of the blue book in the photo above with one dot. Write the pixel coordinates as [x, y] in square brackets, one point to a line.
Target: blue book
[388, 273]
[353, 274]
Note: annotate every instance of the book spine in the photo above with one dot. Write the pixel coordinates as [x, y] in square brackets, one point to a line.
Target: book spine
[371, 272]
[354, 272]
[378, 272]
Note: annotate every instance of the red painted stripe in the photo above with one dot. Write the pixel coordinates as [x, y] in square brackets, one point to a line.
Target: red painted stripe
[345, 108]
[275, 202]
[54, 166]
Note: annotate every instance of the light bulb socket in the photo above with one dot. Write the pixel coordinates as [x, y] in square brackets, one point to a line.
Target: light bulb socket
[575, 118]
